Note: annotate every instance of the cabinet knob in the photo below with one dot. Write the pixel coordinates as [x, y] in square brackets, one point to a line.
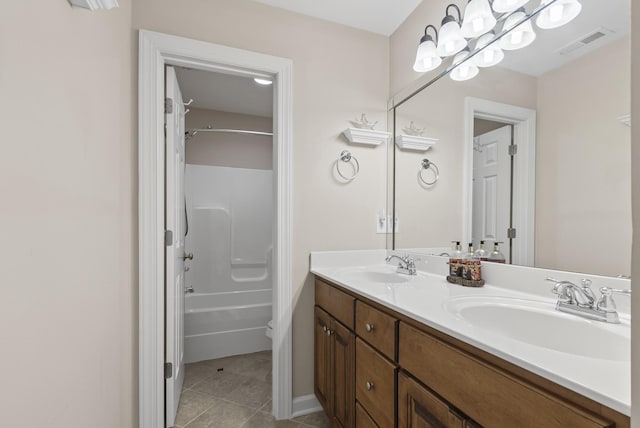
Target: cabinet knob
[368, 385]
[368, 327]
[329, 332]
[324, 328]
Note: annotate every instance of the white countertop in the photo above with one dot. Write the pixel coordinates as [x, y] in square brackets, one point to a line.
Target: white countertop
[426, 296]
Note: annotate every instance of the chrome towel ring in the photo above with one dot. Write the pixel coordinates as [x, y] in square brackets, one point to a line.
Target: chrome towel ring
[346, 157]
[427, 164]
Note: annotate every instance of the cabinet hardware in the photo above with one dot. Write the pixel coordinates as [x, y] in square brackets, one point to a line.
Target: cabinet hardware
[368, 385]
[324, 328]
[368, 327]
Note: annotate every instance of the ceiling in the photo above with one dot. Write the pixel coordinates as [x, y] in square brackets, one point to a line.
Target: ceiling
[216, 91]
[377, 16]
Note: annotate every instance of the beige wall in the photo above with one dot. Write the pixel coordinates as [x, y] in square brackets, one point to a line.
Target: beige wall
[68, 300]
[226, 149]
[583, 170]
[338, 73]
[635, 198]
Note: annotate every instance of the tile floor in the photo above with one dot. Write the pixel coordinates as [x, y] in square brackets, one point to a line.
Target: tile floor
[234, 392]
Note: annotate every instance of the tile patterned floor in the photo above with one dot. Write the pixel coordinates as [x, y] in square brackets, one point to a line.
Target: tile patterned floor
[234, 392]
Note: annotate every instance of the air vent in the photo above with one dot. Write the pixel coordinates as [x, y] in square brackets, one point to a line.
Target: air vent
[583, 41]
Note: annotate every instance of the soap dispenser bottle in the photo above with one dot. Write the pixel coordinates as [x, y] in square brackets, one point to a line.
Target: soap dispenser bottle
[455, 260]
[481, 254]
[496, 256]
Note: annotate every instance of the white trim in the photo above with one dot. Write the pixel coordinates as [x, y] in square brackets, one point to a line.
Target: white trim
[155, 51]
[304, 405]
[524, 121]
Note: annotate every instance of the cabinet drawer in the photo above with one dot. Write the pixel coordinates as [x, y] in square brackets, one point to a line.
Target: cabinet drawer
[489, 395]
[375, 384]
[377, 328]
[363, 420]
[336, 302]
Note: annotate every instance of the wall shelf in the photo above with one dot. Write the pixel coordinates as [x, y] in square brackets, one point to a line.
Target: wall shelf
[415, 143]
[366, 136]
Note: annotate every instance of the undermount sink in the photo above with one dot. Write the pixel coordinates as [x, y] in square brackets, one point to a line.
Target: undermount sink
[538, 323]
[381, 275]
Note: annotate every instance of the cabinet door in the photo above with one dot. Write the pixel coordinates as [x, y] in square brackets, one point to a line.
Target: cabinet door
[363, 420]
[343, 360]
[322, 364]
[419, 408]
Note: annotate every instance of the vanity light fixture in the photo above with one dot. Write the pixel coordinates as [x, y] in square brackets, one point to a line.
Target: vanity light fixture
[481, 18]
[264, 82]
[522, 35]
[478, 19]
[465, 71]
[491, 55]
[558, 14]
[95, 4]
[506, 6]
[427, 58]
[451, 40]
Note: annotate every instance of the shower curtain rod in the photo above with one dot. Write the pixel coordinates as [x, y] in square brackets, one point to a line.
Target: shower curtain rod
[231, 131]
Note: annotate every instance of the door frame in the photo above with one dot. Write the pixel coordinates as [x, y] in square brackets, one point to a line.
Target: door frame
[155, 51]
[524, 179]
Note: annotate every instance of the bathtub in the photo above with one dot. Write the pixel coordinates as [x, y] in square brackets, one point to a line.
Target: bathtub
[222, 324]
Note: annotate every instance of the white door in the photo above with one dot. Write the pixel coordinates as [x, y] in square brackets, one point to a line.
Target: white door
[492, 187]
[175, 251]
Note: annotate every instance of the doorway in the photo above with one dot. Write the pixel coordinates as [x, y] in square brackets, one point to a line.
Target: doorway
[522, 193]
[157, 51]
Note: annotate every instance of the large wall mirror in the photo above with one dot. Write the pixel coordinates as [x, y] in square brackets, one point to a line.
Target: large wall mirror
[564, 192]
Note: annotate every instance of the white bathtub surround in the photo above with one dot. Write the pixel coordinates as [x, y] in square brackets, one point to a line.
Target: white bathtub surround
[230, 235]
[429, 298]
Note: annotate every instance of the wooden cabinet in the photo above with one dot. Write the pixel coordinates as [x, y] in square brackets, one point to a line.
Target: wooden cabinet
[334, 360]
[375, 367]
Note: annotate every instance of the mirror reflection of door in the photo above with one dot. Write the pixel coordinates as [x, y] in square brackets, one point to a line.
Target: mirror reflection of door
[492, 190]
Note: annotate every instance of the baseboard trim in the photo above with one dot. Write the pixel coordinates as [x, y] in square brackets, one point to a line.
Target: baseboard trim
[304, 405]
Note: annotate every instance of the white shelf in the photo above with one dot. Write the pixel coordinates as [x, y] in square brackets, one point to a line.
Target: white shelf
[415, 143]
[366, 136]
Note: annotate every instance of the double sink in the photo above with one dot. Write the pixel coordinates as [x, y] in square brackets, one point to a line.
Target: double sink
[531, 320]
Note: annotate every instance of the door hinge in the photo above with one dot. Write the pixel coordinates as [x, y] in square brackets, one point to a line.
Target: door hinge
[168, 370]
[168, 105]
[513, 150]
[511, 233]
[168, 238]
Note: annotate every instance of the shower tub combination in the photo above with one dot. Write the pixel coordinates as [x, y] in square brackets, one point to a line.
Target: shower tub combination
[229, 211]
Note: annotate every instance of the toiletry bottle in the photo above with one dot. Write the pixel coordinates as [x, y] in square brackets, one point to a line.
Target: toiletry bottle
[467, 262]
[481, 254]
[455, 260]
[496, 256]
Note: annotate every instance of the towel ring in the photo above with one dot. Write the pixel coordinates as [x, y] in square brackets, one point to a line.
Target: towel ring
[427, 164]
[346, 157]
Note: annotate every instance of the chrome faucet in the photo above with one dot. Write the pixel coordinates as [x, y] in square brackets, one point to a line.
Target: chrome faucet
[581, 300]
[409, 267]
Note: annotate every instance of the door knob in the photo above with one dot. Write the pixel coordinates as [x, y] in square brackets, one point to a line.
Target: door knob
[188, 256]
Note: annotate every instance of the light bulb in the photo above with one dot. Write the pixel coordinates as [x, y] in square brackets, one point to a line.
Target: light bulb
[516, 37]
[555, 14]
[488, 55]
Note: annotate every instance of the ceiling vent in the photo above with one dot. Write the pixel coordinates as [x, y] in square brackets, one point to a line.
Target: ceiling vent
[583, 41]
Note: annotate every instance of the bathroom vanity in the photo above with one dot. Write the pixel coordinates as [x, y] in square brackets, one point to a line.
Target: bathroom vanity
[396, 350]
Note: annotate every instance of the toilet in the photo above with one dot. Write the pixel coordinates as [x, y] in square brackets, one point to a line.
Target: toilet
[269, 330]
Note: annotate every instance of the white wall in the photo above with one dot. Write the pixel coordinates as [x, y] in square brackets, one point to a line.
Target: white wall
[68, 299]
[338, 73]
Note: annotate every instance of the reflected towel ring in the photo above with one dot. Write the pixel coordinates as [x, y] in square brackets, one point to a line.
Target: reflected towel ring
[346, 157]
[427, 164]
